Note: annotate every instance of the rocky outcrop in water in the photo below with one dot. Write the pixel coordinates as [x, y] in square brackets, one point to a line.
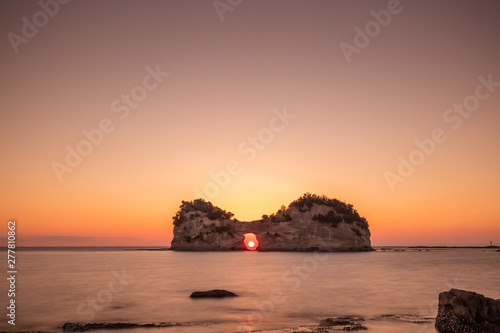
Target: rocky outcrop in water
[83, 327]
[216, 293]
[346, 323]
[467, 312]
[310, 223]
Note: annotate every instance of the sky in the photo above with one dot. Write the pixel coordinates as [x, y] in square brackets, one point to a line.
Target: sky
[113, 112]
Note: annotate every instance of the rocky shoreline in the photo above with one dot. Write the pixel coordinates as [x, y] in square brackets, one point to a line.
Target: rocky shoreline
[84, 327]
[467, 312]
[326, 325]
[458, 311]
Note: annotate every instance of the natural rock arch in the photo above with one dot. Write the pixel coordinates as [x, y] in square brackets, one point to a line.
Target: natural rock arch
[310, 223]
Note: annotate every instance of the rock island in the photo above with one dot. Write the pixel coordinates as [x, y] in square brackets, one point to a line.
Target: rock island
[310, 223]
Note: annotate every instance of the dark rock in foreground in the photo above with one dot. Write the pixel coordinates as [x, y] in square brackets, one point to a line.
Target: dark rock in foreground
[216, 293]
[83, 327]
[467, 312]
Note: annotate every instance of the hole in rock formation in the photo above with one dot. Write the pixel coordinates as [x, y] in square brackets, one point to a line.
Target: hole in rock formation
[251, 242]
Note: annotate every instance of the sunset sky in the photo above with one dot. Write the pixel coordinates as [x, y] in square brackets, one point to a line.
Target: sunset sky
[181, 91]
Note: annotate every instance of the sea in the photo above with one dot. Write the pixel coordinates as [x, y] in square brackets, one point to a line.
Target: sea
[392, 289]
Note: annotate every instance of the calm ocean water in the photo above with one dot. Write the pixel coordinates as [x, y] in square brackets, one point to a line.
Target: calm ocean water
[276, 290]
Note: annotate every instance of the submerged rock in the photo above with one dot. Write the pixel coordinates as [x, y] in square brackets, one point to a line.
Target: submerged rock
[343, 323]
[409, 318]
[216, 293]
[467, 312]
[83, 327]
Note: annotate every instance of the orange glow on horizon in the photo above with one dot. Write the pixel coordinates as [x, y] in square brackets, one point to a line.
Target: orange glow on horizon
[348, 124]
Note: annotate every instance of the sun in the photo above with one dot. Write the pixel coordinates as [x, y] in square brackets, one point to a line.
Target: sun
[251, 242]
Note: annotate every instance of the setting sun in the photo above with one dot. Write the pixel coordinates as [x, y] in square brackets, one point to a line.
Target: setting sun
[251, 241]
